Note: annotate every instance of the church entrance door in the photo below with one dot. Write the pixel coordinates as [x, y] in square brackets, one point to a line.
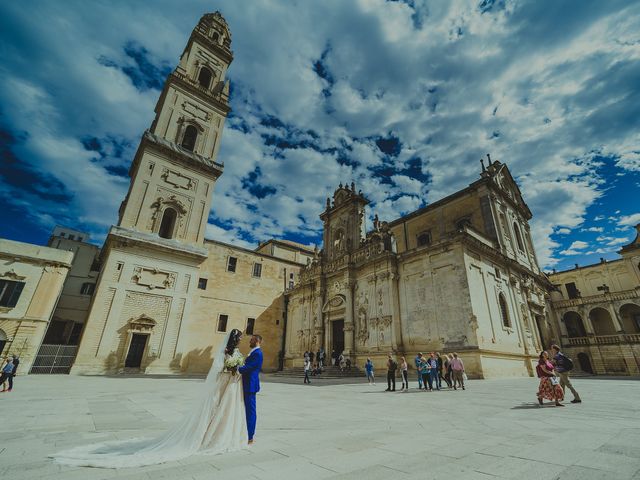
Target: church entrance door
[337, 336]
[136, 349]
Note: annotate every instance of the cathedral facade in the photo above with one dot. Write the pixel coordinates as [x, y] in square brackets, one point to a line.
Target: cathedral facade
[458, 275]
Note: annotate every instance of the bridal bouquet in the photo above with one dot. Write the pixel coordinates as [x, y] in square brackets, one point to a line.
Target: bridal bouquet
[232, 362]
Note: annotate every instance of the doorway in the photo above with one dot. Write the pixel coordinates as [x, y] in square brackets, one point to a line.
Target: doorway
[136, 349]
[337, 336]
[585, 363]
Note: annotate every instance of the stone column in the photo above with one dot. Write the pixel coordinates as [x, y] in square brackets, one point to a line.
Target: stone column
[396, 327]
[615, 318]
[349, 347]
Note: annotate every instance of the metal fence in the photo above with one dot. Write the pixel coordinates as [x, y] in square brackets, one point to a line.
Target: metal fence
[54, 359]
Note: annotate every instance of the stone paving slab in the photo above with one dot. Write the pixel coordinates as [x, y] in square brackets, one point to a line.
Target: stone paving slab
[493, 430]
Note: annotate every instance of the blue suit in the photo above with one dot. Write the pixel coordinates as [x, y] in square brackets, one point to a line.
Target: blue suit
[251, 385]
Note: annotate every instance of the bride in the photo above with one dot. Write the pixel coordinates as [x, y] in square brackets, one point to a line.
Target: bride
[215, 424]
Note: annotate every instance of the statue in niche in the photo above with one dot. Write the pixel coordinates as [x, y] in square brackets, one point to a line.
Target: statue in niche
[338, 240]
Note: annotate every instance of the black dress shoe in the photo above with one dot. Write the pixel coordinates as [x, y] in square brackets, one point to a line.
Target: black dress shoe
[575, 400]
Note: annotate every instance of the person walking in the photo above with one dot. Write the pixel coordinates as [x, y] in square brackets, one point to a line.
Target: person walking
[563, 365]
[457, 370]
[549, 386]
[307, 369]
[341, 362]
[322, 355]
[404, 371]
[368, 367]
[392, 366]
[418, 363]
[7, 372]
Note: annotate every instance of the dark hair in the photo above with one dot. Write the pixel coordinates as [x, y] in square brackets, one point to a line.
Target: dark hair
[555, 347]
[234, 339]
[258, 337]
[540, 359]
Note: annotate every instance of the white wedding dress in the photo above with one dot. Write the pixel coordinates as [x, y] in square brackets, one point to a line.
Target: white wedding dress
[216, 424]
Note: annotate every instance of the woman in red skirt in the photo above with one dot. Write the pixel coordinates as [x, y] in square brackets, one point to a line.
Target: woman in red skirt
[549, 385]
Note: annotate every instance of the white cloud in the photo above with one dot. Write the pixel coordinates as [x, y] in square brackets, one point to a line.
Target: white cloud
[629, 220]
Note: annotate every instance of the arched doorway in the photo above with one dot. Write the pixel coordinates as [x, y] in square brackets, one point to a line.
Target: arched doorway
[575, 326]
[3, 340]
[630, 316]
[601, 321]
[585, 363]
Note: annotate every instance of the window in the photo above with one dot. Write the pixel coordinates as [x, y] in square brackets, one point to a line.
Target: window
[204, 77]
[498, 275]
[516, 229]
[504, 311]
[168, 223]
[216, 37]
[222, 323]
[88, 288]
[257, 270]
[202, 283]
[189, 138]
[424, 239]
[72, 237]
[231, 264]
[572, 291]
[62, 234]
[250, 324]
[10, 293]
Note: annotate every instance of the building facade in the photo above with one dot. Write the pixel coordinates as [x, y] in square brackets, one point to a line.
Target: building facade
[31, 281]
[597, 313]
[458, 275]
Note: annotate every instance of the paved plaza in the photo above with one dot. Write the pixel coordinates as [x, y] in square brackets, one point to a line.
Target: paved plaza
[494, 429]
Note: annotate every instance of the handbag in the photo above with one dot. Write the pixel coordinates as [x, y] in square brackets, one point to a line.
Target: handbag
[554, 381]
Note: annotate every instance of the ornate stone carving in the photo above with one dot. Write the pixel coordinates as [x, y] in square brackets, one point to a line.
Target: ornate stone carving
[153, 278]
[12, 275]
[141, 324]
[178, 180]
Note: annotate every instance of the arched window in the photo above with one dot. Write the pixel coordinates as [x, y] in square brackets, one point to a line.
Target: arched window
[516, 229]
[189, 138]
[216, 37]
[504, 311]
[168, 223]
[204, 77]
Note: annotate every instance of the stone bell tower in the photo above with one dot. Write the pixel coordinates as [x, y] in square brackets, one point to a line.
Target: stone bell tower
[344, 226]
[151, 259]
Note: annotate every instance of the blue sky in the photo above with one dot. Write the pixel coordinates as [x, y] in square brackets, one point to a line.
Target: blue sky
[401, 97]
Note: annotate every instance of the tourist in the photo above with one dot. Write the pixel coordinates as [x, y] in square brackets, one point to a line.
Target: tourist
[341, 362]
[404, 371]
[440, 370]
[307, 369]
[425, 371]
[16, 362]
[549, 386]
[368, 367]
[433, 372]
[348, 364]
[316, 370]
[447, 364]
[418, 363]
[306, 355]
[321, 355]
[7, 372]
[563, 366]
[392, 366]
[457, 370]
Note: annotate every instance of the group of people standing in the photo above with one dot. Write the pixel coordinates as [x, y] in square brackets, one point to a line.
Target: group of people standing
[432, 370]
[8, 372]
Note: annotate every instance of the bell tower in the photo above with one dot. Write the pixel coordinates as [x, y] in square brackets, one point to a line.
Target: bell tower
[152, 257]
[175, 168]
[343, 218]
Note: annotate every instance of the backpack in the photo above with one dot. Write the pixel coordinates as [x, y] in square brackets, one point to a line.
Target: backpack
[567, 363]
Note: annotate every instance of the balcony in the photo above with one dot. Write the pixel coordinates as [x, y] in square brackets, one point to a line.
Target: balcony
[604, 340]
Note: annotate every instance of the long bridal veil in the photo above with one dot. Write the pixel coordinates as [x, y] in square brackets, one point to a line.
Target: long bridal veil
[182, 440]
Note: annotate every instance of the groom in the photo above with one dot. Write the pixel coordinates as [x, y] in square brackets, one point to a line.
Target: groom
[251, 382]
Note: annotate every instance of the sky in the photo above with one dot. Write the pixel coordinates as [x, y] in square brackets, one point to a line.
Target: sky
[401, 97]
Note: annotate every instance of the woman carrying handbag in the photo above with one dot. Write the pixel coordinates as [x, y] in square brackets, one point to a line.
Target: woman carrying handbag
[549, 387]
